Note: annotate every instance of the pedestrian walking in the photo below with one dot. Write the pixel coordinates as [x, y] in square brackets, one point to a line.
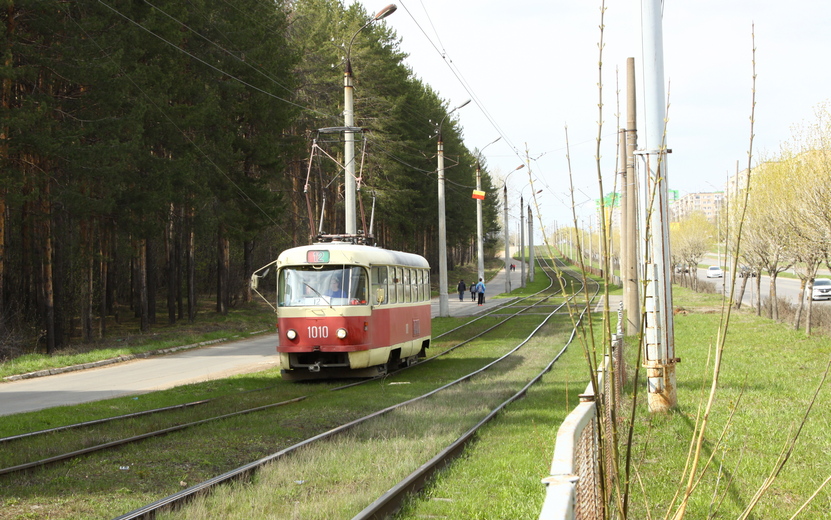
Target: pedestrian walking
[473, 292]
[480, 290]
[462, 288]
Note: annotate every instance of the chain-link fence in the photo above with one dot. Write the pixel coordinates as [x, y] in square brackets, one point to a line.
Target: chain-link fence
[573, 487]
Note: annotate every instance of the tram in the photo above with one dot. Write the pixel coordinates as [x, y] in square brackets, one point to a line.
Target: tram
[349, 310]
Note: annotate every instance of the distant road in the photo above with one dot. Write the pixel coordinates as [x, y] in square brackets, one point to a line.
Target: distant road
[785, 287]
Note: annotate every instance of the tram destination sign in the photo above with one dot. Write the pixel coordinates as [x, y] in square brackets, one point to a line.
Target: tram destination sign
[317, 256]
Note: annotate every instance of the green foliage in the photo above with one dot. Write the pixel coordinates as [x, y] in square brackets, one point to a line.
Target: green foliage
[131, 124]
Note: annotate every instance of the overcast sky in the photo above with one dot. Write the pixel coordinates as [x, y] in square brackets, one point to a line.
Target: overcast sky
[531, 67]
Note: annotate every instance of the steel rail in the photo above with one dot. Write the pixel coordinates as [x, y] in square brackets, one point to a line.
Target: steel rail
[388, 503]
[164, 431]
[179, 499]
[135, 438]
[449, 349]
[103, 421]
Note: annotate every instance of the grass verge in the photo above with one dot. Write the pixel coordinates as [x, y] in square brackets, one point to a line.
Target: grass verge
[768, 375]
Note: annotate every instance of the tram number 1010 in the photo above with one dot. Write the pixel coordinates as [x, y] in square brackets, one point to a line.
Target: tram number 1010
[318, 332]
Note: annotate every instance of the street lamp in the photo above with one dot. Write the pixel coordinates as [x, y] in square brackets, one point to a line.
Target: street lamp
[480, 246]
[505, 219]
[349, 130]
[444, 305]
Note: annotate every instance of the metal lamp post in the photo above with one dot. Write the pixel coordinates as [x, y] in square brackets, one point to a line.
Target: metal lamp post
[480, 244]
[505, 223]
[351, 221]
[444, 305]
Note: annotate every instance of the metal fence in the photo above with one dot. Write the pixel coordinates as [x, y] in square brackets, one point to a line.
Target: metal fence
[573, 485]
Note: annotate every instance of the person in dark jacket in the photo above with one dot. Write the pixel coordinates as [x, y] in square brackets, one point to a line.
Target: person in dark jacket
[462, 288]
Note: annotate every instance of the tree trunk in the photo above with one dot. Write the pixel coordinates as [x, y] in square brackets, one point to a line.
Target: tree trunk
[170, 267]
[5, 105]
[103, 250]
[741, 291]
[248, 270]
[150, 278]
[774, 308]
[180, 306]
[2, 257]
[191, 266]
[800, 304]
[112, 286]
[140, 282]
[46, 275]
[759, 293]
[87, 279]
[222, 272]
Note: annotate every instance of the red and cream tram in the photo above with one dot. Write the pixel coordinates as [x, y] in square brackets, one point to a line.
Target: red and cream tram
[350, 310]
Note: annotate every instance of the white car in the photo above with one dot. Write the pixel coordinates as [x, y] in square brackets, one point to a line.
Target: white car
[715, 271]
[821, 289]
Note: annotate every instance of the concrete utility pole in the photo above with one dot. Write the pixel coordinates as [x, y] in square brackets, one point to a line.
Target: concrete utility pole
[480, 241]
[521, 242]
[349, 182]
[624, 237]
[631, 287]
[659, 336]
[507, 229]
[530, 244]
[444, 304]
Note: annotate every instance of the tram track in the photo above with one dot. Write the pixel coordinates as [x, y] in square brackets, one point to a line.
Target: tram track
[116, 443]
[389, 501]
[234, 474]
[179, 427]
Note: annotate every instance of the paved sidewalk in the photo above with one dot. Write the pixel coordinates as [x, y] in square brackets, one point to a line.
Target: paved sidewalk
[495, 286]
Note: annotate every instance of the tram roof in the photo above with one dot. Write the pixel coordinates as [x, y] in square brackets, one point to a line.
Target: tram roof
[344, 253]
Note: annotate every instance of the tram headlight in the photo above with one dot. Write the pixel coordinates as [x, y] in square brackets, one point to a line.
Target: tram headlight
[341, 333]
[291, 334]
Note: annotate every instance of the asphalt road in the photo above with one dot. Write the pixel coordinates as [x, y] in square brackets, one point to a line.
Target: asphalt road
[785, 287]
[139, 376]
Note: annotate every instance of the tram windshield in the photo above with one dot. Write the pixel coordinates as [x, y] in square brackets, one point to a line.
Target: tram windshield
[330, 285]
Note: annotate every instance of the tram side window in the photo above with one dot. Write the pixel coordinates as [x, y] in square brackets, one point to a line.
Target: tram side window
[415, 285]
[357, 286]
[379, 285]
[399, 292]
[425, 286]
[405, 284]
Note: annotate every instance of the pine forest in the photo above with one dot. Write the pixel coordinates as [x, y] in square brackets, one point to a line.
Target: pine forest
[153, 154]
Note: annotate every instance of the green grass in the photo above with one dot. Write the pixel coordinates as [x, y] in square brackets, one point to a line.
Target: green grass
[337, 479]
[107, 484]
[768, 376]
